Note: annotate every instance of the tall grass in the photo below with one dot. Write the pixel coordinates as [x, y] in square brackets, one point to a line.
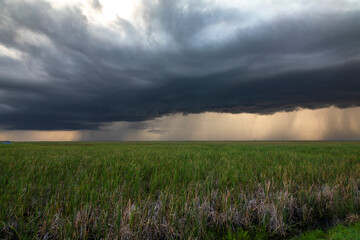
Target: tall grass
[175, 190]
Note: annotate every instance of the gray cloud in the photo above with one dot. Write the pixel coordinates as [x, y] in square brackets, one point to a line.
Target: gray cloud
[63, 72]
[97, 5]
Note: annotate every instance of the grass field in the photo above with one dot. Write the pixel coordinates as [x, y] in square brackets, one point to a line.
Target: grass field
[340, 232]
[177, 190]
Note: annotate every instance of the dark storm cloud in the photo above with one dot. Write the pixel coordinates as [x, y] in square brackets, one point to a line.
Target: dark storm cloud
[68, 73]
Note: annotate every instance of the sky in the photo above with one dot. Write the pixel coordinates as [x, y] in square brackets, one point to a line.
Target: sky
[76, 70]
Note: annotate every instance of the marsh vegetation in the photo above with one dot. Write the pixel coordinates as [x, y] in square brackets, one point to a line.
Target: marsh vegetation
[177, 190]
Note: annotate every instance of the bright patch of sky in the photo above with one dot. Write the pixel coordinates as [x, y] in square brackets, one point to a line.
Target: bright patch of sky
[7, 52]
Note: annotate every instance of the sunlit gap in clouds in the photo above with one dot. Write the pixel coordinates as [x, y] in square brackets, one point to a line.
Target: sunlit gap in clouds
[102, 11]
[18, 135]
[321, 124]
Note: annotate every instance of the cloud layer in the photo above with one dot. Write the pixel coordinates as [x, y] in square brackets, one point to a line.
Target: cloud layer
[61, 68]
[320, 124]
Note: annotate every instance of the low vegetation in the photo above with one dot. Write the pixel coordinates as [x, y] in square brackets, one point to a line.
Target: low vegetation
[351, 232]
[198, 190]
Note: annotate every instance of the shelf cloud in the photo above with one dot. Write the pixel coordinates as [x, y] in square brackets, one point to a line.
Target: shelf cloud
[77, 67]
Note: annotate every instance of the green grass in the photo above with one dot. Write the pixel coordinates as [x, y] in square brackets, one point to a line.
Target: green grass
[183, 190]
[337, 233]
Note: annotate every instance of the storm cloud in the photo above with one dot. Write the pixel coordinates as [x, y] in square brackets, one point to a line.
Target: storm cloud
[62, 70]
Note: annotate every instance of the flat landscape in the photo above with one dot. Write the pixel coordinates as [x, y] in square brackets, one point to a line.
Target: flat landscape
[178, 190]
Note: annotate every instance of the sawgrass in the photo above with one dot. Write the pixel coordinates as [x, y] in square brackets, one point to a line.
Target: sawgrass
[176, 190]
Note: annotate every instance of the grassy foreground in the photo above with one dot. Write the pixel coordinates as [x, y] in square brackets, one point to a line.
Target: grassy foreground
[337, 233]
[198, 190]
